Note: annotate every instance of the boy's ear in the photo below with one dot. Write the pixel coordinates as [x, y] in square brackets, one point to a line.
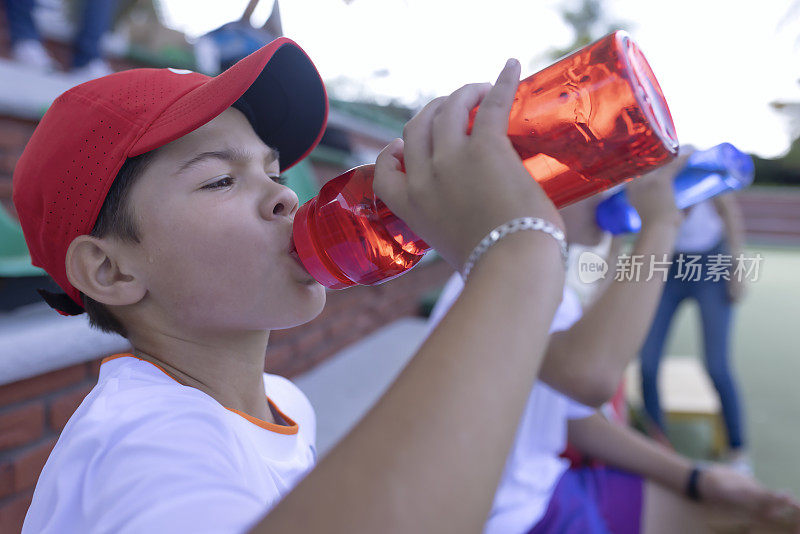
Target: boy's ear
[95, 269]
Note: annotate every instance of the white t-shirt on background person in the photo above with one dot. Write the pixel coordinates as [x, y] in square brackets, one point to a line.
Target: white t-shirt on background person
[701, 230]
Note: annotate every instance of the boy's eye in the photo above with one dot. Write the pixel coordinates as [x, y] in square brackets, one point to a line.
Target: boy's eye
[225, 181]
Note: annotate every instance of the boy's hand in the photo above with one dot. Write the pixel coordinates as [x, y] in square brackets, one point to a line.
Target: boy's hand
[456, 187]
[653, 196]
[719, 484]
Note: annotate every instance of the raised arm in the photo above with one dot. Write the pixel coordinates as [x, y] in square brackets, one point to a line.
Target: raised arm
[587, 361]
[718, 485]
[428, 456]
[728, 209]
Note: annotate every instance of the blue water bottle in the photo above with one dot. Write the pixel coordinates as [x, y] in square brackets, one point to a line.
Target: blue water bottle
[707, 174]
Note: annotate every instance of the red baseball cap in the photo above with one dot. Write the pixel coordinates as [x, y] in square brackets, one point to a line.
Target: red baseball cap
[62, 178]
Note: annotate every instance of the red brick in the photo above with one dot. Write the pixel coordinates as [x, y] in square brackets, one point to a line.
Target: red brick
[279, 357]
[6, 479]
[38, 385]
[299, 367]
[6, 189]
[365, 322]
[336, 344]
[339, 327]
[14, 135]
[324, 352]
[327, 312]
[8, 160]
[28, 465]
[327, 341]
[278, 337]
[309, 340]
[5, 200]
[13, 510]
[348, 298]
[393, 308]
[21, 425]
[62, 407]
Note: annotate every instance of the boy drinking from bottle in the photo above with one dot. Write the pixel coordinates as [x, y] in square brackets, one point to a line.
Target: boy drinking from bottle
[153, 198]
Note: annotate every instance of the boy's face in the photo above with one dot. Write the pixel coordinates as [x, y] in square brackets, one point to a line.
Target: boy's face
[215, 232]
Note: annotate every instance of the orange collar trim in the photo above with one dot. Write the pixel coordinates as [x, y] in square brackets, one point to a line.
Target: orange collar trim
[280, 429]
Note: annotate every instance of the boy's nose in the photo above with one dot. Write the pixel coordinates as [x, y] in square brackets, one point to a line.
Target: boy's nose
[280, 202]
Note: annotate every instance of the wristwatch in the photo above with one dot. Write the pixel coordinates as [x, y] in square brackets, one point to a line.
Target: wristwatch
[692, 484]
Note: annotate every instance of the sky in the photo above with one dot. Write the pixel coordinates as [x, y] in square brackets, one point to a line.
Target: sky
[719, 66]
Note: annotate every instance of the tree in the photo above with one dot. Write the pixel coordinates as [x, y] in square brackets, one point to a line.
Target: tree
[588, 23]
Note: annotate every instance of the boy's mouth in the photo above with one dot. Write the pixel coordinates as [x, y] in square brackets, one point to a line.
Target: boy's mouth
[293, 252]
[296, 257]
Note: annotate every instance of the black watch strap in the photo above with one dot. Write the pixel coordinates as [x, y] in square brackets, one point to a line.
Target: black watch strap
[692, 489]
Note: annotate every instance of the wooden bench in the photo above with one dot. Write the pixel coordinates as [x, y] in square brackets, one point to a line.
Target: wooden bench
[687, 394]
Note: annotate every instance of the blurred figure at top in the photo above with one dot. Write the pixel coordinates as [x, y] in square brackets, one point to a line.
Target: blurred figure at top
[94, 20]
[219, 49]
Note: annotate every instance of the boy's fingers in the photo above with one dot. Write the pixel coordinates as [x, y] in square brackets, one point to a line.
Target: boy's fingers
[492, 117]
[417, 139]
[395, 150]
[390, 183]
[450, 124]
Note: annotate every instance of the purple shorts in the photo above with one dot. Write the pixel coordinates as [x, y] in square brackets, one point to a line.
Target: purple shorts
[593, 500]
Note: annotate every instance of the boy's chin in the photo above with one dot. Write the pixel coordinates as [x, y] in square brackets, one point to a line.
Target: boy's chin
[306, 311]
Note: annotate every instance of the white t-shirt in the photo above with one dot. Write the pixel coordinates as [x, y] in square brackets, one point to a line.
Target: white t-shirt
[533, 467]
[701, 230]
[144, 453]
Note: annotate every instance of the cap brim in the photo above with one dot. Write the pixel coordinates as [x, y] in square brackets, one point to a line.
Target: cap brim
[277, 83]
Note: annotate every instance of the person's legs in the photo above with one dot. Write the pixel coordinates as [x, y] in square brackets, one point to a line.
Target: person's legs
[21, 27]
[95, 21]
[716, 314]
[653, 348]
[26, 45]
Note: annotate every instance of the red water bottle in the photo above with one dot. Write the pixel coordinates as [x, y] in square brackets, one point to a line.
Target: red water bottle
[593, 119]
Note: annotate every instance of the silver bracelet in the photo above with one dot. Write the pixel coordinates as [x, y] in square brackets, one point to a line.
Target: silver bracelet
[515, 225]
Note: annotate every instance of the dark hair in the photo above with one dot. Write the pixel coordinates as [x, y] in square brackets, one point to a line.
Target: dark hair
[116, 219]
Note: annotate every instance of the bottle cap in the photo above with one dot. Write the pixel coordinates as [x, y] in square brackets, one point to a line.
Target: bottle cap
[312, 256]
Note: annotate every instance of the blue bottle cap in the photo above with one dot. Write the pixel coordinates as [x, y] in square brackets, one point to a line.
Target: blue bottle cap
[736, 166]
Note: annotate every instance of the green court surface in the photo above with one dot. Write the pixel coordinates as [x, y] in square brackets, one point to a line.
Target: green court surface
[766, 334]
